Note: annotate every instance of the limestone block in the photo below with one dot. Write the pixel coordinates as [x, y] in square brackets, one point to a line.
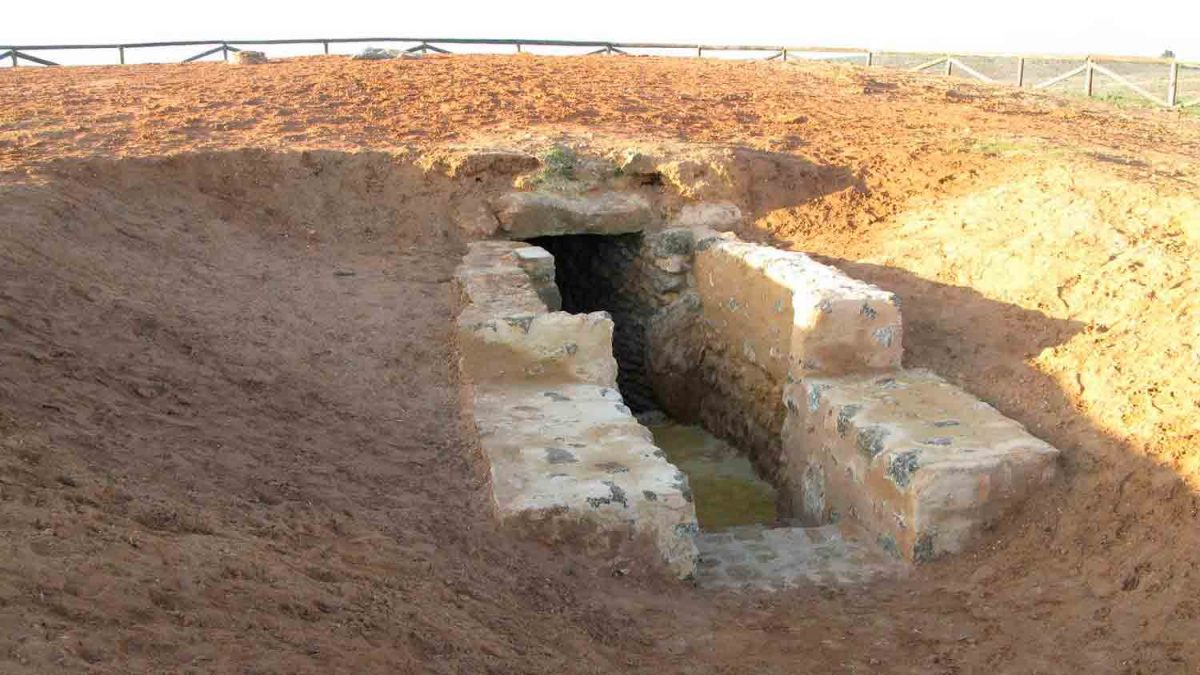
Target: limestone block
[744, 307]
[246, 57]
[636, 163]
[531, 214]
[474, 218]
[539, 265]
[719, 216]
[840, 325]
[536, 261]
[835, 324]
[921, 463]
[553, 347]
[497, 278]
[573, 452]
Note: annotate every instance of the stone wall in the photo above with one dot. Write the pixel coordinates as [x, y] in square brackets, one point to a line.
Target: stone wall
[565, 453]
[709, 328]
[923, 465]
[633, 277]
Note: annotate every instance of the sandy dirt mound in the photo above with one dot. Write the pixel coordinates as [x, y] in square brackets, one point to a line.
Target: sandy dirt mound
[229, 433]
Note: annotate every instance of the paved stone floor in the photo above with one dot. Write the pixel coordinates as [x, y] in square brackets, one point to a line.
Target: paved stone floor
[762, 558]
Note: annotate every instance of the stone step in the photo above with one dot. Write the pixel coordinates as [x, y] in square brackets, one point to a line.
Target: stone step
[572, 452]
[922, 464]
[761, 558]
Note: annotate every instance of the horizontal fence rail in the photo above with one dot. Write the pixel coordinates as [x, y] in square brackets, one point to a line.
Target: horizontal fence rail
[950, 63]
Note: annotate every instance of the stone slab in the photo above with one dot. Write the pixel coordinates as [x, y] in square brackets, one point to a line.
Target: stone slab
[919, 462]
[524, 215]
[774, 559]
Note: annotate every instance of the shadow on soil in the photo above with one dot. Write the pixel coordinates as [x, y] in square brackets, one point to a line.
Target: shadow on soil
[1109, 557]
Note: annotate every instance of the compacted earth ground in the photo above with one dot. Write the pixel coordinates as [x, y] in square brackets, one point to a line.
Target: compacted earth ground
[230, 429]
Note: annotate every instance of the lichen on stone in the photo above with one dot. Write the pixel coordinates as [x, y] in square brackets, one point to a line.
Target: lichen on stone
[870, 440]
[903, 466]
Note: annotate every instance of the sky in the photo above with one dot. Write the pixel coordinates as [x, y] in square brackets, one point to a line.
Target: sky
[1144, 28]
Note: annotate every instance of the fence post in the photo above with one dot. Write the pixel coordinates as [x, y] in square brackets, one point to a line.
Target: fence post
[785, 55]
[1020, 71]
[325, 44]
[1088, 76]
[225, 52]
[699, 52]
[121, 51]
[870, 59]
[518, 47]
[1173, 84]
[949, 65]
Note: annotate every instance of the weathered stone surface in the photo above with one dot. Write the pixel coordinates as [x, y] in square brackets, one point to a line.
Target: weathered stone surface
[773, 559]
[551, 347]
[921, 463]
[720, 216]
[573, 452]
[532, 214]
[636, 163]
[473, 218]
[491, 283]
[836, 324]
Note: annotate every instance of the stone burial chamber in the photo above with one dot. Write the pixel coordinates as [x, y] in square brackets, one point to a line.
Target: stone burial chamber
[592, 320]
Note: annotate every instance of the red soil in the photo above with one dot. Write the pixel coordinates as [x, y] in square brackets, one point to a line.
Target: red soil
[229, 432]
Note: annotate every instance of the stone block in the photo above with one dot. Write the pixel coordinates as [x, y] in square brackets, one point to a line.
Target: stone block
[505, 278]
[552, 347]
[720, 216]
[524, 215]
[574, 453]
[246, 57]
[473, 218]
[922, 464]
[834, 324]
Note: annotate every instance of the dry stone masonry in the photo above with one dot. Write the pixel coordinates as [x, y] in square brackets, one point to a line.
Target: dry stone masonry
[919, 462]
[783, 356]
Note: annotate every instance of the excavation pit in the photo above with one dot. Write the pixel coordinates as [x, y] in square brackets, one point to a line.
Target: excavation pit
[742, 407]
[635, 280]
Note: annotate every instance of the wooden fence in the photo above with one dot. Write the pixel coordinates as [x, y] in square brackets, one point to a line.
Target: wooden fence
[1086, 66]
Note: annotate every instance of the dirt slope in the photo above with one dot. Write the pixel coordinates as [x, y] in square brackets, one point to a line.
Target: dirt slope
[228, 427]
